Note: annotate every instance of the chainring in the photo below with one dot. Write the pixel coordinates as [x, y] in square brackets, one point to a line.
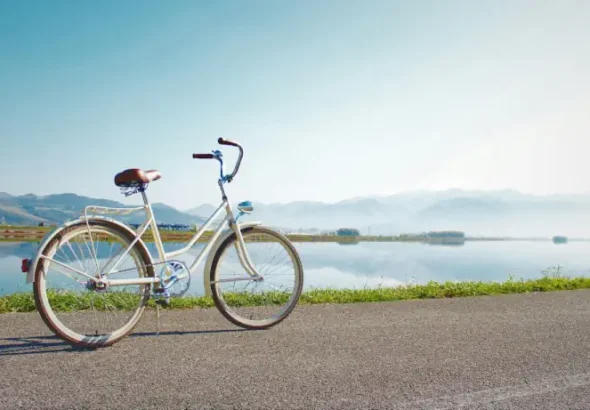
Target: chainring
[172, 270]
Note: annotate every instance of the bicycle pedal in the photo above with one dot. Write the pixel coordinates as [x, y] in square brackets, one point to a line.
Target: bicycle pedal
[163, 302]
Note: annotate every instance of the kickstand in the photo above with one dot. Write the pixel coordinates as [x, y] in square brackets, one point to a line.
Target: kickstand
[157, 318]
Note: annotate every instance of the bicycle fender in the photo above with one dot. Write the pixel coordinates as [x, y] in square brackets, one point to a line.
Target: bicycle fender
[53, 233]
[48, 237]
[227, 233]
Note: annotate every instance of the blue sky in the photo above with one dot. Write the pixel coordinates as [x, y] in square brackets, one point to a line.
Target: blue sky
[330, 99]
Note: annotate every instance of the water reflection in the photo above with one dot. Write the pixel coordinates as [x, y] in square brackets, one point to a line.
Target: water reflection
[446, 243]
[371, 264]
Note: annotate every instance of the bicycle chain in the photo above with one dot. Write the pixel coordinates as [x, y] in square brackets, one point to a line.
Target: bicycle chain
[152, 265]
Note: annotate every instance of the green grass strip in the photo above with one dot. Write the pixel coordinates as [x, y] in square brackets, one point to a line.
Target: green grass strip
[24, 302]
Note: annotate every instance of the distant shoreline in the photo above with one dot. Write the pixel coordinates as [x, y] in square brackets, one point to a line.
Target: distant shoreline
[36, 234]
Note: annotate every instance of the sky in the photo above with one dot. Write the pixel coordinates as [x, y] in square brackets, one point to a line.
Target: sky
[330, 99]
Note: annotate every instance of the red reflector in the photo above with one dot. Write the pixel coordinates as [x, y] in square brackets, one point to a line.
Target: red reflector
[24, 267]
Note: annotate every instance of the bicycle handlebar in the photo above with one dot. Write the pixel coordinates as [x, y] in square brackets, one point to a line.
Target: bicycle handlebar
[227, 142]
[221, 141]
[238, 162]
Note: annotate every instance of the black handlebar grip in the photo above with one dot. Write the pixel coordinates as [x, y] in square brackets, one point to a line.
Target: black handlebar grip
[203, 156]
[227, 142]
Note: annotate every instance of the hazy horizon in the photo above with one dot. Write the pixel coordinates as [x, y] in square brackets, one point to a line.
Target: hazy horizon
[488, 213]
[331, 100]
[136, 198]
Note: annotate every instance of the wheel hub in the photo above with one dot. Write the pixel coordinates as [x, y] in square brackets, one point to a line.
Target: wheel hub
[98, 286]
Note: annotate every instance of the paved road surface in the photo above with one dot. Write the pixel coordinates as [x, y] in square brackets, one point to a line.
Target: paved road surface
[506, 352]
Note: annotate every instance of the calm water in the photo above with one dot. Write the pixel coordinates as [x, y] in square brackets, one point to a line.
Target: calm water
[373, 264]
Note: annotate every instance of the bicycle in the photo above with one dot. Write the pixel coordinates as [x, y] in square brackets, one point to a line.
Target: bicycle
[173, 280]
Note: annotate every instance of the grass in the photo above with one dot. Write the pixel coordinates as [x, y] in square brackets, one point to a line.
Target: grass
[552, 280]
[36, 234]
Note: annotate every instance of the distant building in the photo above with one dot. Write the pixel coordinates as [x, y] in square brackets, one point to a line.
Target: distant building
[446, 234]
[348, 232]
[169, 227]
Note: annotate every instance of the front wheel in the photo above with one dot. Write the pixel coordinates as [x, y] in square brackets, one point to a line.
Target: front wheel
[255, 304]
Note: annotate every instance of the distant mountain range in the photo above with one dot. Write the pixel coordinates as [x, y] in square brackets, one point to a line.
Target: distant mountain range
[489, 213]
[56, 209]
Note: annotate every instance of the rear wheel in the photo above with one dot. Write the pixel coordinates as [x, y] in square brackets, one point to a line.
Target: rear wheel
[71, 305]
[257, 304]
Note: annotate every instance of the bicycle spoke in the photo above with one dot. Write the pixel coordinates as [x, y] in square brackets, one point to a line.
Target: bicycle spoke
[257, 303]
[79, 309]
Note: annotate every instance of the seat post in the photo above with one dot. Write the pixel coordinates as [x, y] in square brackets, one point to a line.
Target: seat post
[144, 197]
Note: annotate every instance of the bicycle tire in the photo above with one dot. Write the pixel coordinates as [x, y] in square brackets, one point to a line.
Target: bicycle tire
[218, 298]
[46, 311]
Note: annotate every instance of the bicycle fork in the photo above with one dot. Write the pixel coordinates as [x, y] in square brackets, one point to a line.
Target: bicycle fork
[243, 255]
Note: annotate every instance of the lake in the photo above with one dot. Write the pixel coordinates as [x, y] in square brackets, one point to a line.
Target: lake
[371, 264]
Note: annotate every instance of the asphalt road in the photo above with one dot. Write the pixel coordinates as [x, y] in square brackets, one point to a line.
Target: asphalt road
[506, 352]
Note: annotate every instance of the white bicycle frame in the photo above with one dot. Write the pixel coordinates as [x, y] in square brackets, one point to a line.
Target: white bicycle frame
[166, 256]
